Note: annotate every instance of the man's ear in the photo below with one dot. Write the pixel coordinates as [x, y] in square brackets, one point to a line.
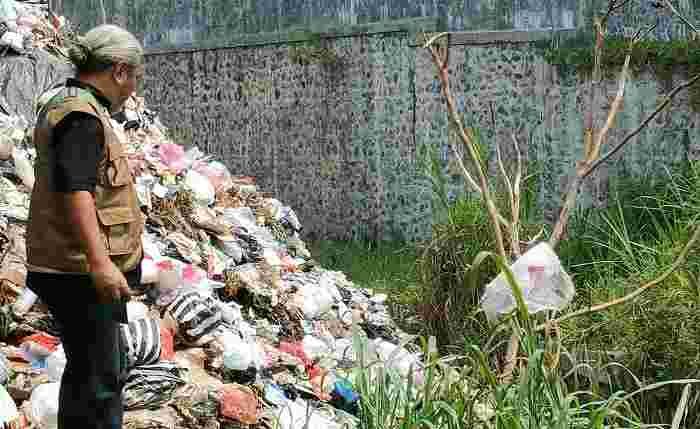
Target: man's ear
[120, 73]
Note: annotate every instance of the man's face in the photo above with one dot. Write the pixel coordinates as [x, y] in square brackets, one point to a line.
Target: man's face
[127, 79]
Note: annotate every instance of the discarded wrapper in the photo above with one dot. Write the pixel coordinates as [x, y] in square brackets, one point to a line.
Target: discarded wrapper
[544, 283]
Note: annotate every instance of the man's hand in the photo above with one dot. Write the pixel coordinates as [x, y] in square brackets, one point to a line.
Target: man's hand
[110, 283]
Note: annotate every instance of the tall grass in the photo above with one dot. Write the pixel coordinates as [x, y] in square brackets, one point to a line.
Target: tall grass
[470, 395]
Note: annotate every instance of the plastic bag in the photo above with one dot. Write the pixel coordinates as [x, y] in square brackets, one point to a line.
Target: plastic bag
[314, 300]
[544, 283]
[240, 217]
[202, 189]
[173, 156]
[238, 355]
[149, 271]
[142, 340]
[295, 415]
[230, 246]
[400, 360]
[217, 173]
[24, 302]
[136, 310]
[44, 405]
[167, 343]
[239, 403]
[23, 168]
[56, 364]
[7, 11]
[8, 408]
[315, 348]
[13, 40]
[5, 369]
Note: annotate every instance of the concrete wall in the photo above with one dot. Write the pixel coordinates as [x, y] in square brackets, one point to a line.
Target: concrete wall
[341, 144]
[181, 23]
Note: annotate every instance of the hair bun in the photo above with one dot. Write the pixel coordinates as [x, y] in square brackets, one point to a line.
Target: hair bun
[79, 52]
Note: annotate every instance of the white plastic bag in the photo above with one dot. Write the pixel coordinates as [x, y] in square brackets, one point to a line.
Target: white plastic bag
[298, 414]
[149, 272]
[8, 408]
[13, 40]
[23, 168]
[315, 348]
[400, 360]
[44, 405]
[544, 283]
[238, 355]
[56, 364]
[136, 310]
[314, 301]
[202, 189]
[24, 302]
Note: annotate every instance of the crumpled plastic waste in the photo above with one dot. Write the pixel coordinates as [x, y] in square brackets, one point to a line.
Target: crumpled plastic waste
[295, 414]
[173, 156]
[44, 405]
[399, 359]
[8, 409]
[202, 189]
[198, 318]
[150, 386]
[56, 364]
[217, 174]
[136, 310]
[23, 168]
[544, 284]
[142, 339]
[239, 403]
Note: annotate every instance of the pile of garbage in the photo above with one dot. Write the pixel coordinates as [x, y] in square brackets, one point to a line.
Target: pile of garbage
[234, 325]
[27, 25]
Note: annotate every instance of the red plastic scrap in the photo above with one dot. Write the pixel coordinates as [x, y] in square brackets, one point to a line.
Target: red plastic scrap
[239, 403]
[49, 342]
[296, 350]
[167, 344]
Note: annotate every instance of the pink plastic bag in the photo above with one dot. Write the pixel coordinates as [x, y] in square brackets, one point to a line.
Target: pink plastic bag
[217, 173]
[173, 156]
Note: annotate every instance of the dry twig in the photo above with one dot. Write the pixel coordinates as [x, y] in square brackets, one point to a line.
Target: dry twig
[680, 260]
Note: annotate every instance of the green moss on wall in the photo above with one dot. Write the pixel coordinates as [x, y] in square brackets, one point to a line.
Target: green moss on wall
[661, 57]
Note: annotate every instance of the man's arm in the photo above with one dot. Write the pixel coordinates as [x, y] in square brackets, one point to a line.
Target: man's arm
[81, 209]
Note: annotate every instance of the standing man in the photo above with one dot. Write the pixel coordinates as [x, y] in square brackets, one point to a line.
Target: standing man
[84, 234]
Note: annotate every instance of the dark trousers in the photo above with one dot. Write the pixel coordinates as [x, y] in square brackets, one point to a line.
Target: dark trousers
[91, 387]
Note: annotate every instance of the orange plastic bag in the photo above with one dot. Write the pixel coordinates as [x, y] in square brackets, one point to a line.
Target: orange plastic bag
[239, 403]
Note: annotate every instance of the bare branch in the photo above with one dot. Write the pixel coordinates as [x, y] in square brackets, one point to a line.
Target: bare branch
[680, 261]
[614, 109]
[442, 65]
[681, 17]
[643, 125]
[429, 42]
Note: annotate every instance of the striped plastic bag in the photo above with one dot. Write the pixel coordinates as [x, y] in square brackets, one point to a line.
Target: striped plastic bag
[142, 339]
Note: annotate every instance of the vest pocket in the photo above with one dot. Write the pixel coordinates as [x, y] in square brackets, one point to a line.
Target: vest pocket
[117, 169]
[119, 229]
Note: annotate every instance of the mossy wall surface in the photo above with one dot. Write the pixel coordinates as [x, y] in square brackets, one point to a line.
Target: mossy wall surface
[340, 143]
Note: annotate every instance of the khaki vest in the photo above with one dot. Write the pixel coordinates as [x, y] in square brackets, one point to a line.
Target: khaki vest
[52, 241]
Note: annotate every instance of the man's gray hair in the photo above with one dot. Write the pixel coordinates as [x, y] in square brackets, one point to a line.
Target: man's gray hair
[104, 46]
